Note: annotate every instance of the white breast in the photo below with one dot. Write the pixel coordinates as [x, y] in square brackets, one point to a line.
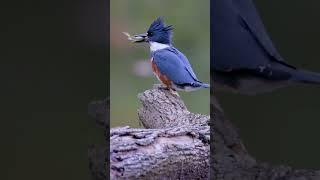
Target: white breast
[154, 46]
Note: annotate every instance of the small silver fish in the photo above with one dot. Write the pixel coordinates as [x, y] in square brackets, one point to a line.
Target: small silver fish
[132, 38]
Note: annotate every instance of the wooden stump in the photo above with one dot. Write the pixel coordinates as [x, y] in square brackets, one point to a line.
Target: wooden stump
[175, 144]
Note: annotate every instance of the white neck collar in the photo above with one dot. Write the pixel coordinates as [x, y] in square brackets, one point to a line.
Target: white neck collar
[154, 46]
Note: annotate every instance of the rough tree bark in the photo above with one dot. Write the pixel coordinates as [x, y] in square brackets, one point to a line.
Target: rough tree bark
[175, 145]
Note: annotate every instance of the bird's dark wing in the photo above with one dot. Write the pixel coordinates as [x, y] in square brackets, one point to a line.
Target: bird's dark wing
[171, 66]
[254, 25]
[240, 41]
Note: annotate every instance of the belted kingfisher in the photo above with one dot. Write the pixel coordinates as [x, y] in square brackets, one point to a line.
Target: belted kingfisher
[170, 66]
[244, 58]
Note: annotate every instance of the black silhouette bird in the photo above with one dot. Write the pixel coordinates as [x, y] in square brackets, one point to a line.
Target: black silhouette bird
[244, 58]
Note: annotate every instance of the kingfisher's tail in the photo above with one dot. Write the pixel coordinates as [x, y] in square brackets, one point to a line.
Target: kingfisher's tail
[203, 85]
[190, 86]
[308, 77]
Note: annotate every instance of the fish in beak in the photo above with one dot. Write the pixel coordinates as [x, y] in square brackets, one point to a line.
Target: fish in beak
[137, 38]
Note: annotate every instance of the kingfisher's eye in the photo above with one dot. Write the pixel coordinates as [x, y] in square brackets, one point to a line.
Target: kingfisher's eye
[150, 34]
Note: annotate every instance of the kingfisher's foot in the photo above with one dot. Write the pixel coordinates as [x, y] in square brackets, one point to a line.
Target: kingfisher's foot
[174, 92]
[160, 86]
[163, 87]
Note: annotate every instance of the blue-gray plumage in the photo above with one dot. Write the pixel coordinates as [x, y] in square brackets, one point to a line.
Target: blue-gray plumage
[176, 67]
[170, 66]
[244, 58]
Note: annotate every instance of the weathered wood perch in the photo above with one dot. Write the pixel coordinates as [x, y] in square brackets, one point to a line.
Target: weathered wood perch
[175, 145]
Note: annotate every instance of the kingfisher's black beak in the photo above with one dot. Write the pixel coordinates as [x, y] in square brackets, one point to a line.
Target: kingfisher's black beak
[140, 38]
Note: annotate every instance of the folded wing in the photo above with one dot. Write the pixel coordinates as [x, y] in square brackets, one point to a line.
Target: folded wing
[171, 65]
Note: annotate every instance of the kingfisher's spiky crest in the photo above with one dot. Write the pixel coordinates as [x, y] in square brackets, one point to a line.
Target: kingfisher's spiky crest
[159, 32]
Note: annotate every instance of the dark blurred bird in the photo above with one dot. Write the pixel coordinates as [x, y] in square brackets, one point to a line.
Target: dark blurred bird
[171, 67]
[244, 58]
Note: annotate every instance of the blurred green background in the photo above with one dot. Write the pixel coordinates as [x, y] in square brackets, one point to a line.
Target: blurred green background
[283, 127]
[130, 70]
